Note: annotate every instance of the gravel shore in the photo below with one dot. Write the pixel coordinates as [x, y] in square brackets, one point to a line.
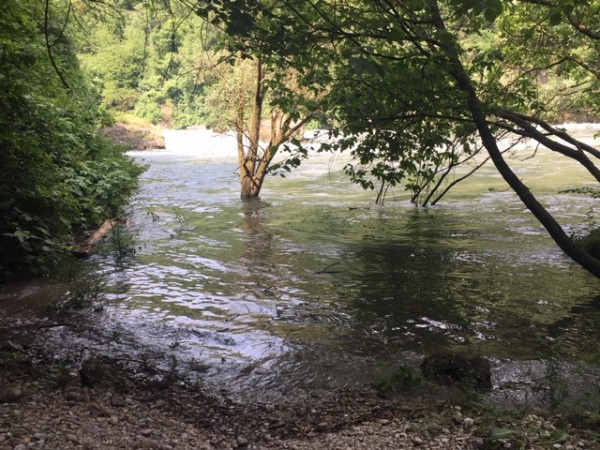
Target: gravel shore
[41, 409]
[52, 404]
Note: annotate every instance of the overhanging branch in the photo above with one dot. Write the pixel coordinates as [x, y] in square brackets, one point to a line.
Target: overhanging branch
[49, 46]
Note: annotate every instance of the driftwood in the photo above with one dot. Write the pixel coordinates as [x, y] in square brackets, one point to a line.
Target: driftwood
[83, 250]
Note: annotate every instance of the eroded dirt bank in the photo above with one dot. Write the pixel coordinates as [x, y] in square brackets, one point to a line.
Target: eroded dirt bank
[135, 136]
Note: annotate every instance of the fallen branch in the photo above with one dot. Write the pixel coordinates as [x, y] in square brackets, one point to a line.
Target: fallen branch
[84, 249]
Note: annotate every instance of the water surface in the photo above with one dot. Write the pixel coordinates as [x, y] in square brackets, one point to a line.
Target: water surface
[314, 285]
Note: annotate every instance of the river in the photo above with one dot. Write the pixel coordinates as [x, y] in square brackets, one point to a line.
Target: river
[315, 286]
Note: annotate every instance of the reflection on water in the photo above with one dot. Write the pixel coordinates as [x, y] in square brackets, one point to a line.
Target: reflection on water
[316, 285]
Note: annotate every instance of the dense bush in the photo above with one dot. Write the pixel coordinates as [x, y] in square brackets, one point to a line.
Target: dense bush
[57, 174]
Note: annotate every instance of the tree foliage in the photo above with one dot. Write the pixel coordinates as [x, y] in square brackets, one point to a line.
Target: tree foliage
[403, 81]
[412, 89]
[152, 58]
[57, 174]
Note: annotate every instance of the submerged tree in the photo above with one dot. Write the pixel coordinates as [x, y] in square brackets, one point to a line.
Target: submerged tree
[267, 102]
[406, 78]
[261, 125]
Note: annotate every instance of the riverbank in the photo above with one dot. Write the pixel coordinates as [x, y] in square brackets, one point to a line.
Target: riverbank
[135, 134]
[44, 406]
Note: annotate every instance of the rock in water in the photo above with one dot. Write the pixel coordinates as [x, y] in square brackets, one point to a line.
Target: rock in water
[455, 368]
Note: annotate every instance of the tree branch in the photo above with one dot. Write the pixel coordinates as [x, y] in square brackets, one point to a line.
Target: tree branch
[464, 83]
[49, 47]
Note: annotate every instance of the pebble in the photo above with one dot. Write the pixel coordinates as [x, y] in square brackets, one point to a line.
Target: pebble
[434, 429]
[11, 394]
[74, 396]
[146, 443]
[322, 426]
[457, 417]
[100, 410]
[242, 442]
[417, 440]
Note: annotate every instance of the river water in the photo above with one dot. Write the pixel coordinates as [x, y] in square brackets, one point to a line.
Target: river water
[314, 286]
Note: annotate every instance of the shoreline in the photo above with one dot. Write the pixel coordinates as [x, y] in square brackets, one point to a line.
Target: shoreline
[45, 404]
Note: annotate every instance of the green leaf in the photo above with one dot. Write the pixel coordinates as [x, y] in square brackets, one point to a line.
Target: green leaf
[555, 17]
[493, 9]
[503, 433]
[557, 436]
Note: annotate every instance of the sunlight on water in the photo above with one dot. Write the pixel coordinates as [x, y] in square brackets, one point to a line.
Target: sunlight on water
[316, 281]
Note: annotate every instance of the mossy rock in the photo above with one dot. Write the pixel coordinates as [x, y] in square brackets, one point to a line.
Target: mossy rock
[586, 420]
[401, 381]
[455, 368]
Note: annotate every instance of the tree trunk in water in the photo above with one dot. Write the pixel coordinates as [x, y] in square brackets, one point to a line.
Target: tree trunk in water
[251, 179]
[559, 236]
[254, 161]
[251, 186]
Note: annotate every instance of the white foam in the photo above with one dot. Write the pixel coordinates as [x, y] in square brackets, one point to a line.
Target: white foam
[201, 142]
